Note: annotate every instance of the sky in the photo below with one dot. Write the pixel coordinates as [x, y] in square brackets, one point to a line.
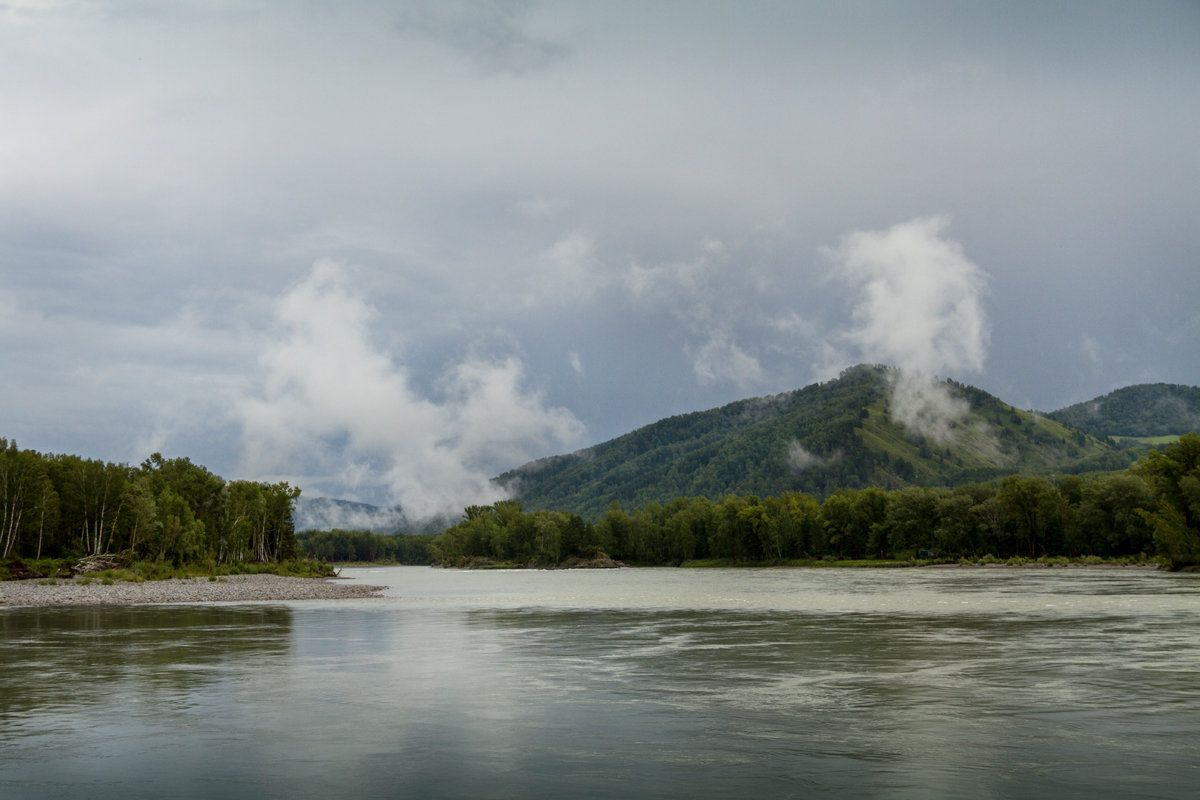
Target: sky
[388, 250]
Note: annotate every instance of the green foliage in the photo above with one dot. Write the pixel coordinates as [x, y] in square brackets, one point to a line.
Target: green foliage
[1174, 476]
[1146, 410]
[1019, 519]
[342, 546]
[505, 533]
[826, 437]
[167, 512]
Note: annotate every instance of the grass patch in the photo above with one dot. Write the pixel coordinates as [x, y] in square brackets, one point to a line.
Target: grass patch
[1150, 440]
[141, 571]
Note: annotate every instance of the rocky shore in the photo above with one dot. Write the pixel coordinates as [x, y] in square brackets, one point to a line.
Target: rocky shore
[226, 589]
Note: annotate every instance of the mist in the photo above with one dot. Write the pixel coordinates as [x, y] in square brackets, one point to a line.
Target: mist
[918, 307]
[339, 410]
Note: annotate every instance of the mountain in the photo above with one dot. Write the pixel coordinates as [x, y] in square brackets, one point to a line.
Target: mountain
[837, 434]
[1148, 409]
[325, 513]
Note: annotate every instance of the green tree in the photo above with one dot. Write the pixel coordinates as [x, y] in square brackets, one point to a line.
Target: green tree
[913, 517]
[614, 532]
[1173, 474]
[205, 494]
[851, 518]
[1034, 514]
[180, 536]
[140, 517]
[1112, 519]
[89, 497]
[26, 496]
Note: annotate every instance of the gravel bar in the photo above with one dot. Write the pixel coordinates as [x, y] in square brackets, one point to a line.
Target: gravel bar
[225, 589]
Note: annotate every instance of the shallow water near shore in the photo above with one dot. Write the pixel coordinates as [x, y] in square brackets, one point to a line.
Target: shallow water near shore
[620, 683]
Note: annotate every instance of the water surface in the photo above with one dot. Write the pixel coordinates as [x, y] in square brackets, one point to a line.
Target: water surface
[620, 683]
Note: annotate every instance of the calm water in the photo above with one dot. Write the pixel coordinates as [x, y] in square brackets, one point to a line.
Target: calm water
[618, 684]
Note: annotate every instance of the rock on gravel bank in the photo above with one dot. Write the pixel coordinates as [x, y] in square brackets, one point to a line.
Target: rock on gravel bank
[226, 589]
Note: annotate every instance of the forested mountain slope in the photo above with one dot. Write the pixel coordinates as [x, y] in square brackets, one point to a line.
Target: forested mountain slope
[1148, 409]
[827, 436]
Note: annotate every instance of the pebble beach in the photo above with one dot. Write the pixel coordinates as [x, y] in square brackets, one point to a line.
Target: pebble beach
[225, 589]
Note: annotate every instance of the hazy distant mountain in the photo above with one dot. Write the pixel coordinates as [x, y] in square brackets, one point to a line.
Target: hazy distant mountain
[838, 434]
[325, 513]
[1148, 409]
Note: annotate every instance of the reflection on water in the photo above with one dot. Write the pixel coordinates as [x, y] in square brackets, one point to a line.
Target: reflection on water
[64, 658]
[631, 683]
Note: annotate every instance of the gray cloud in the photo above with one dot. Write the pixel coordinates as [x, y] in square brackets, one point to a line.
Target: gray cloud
[336, 408]
[627, 202]
[491, 34]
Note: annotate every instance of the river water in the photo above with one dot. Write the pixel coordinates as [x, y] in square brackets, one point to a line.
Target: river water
[636, 683]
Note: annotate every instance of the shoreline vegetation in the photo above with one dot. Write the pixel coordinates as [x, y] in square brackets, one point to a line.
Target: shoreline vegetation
[110, 580]
[604, 562]
[268, 587]
[174, 519]
[1149, 513]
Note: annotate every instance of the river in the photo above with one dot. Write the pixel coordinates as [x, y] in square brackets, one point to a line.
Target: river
[632, 683]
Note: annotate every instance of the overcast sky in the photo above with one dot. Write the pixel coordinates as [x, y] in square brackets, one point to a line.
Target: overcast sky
[385, 250]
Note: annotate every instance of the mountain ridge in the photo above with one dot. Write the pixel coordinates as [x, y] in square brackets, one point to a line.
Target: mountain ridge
[1141, 410]
[818, 438]
[826, 436]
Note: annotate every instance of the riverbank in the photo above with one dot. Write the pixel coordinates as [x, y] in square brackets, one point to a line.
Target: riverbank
[226, 589]
[987, 562]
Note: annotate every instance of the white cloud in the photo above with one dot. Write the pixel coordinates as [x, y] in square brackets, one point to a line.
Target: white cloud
[925, 406]
[330, 397]
[920, 298]
[705, 296]
[720, 359]
[800, 458]
[568, 271]
[919, 307]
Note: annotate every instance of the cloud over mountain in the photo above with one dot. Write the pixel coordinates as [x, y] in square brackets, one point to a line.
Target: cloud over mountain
[919, 307]
[335, 407]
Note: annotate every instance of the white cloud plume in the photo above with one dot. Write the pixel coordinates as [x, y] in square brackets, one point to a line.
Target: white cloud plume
[920, 304]
[698, 294]
[335, 410]
[720, 359]
[567, 272]
[799, 458]
[925, 406]
[919, 308]
[576, 362]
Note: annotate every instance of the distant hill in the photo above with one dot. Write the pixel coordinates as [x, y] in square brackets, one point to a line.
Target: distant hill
[326, 513]
[1148, 409]
[837, 434]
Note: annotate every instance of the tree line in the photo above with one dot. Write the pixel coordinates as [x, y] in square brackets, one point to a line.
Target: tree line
[338, 545]
[1152, 509]
[165, 510]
